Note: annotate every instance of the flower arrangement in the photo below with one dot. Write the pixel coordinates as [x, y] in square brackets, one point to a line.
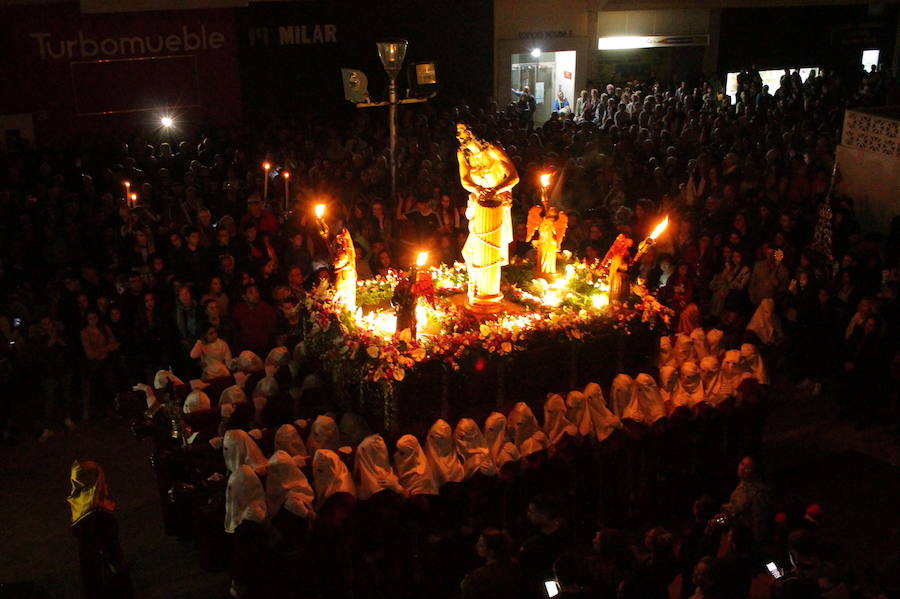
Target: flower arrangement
[365, 346]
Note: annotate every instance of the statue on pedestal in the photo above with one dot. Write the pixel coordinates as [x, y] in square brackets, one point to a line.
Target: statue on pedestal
[344, 263]
[488, 174]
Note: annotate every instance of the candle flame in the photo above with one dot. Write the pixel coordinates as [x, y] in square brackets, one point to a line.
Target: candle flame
[133, 197]
[320, 210]
[545, 180]
[127, 183]
[422, 258]
[266, 165]
[287, 175]
[660, 228]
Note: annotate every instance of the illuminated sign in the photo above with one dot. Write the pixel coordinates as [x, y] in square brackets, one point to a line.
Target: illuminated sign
[630, 42]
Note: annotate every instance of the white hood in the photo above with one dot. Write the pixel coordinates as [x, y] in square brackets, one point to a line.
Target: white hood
[244, 499]
[330, 476]
[372, 468]
[524, 430]
[620, 394]
[323, 434]
[502, 449]
[646, 404]
[472, 448]
[412, 467]
[286, 485]
[556, 424]
[441, 452]
[603, 422]
[239, 449]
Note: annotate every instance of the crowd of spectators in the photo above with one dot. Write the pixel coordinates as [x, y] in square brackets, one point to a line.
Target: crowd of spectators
[212, 260]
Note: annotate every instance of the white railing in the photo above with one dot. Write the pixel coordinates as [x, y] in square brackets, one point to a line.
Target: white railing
[873, 131]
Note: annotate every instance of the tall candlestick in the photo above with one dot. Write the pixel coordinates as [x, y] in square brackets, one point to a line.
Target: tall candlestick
[651, 240]
[287, 189]
[127, 190]
[320, 220]
[545, 185]
[266, 167]
[133, 198]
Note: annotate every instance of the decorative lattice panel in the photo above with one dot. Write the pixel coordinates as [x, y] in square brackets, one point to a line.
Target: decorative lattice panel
[872, 132]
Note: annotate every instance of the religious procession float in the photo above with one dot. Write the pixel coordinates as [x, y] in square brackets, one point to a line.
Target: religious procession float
[463, 340]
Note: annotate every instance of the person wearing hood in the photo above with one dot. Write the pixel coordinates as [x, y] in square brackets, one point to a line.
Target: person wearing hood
[503, 451]
[412, 468]
[668, 383]
[525, 432]
[689, 392]
[603, 422]
[646, 405]
[557, 426]
[683, 349]
[709, 378]
[353, 429]
[288, 440]
[324, 434]
[752, 363]
[289, 501]
[441, 452]
[473, 449]
[332, 535]
[714, 342]
[247, 521]
[104, 573]
[766, 324]
[620, 394]
[239, 449]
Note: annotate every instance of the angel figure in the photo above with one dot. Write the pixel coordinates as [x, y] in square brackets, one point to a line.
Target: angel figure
[550, 225]
[344, 264]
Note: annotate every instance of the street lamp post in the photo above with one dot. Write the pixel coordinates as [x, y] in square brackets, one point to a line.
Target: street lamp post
[392, 52]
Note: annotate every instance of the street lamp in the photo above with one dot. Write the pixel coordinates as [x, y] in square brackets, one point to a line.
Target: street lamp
[392, 53]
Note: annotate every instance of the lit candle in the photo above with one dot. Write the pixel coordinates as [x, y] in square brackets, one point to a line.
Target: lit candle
[266, 167]
[133, 198]
[421, 259]
[651, 240]
[545, 185]
[320, 219]
[287, 189]
[127, 189]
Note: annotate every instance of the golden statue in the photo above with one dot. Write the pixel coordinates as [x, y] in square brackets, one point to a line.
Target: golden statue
[344, 263]
[488, 174]
[617, 261]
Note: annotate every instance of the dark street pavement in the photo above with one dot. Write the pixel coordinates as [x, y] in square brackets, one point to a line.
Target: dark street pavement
[811, 455]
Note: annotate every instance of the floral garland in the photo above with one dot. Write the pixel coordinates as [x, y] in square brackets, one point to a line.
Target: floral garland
[353, 352]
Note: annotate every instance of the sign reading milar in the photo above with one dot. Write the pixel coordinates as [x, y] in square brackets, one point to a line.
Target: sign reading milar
[293, 35]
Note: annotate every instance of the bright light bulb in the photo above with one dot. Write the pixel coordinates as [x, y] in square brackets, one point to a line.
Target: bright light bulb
[167, 121]
[536, 52]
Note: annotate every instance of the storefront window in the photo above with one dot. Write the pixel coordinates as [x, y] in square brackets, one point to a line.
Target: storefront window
[770, 77]
[545, 74]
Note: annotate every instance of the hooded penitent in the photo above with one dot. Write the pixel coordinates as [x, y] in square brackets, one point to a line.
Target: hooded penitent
[765, 323]
[730, 375]
[603, 422]
[714, 341]
[620, 394]
[238, 449]
[502, 449]
[233, 394]
[684, 349]
[197, 400]
[556, 424]
[244, 499]
[330, 476]
[709, 378]
[286, 485]
[247, 362]
[698, 339]
[214, 369]
[164, 377]
[323, 434]
[288, 440]
[472, 449]
[278, 356]
[752, 363]
[524, 430]
[577, 413]
[441, 452]
[88, 492]
[668, 383]
[689, 392]
[646, 404]
[412, 467]
[266, 387]
[372, 468]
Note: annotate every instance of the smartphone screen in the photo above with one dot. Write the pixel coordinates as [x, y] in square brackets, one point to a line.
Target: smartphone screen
[552, 588]
[773, 569]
